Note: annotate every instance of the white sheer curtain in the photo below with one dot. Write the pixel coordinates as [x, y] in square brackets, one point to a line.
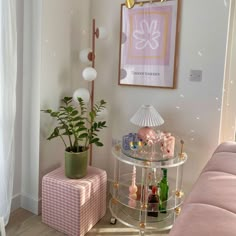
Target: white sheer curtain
[8, 74]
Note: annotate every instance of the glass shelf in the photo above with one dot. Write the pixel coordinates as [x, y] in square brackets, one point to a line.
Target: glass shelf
[147, 160]
[131, 217]
[123, 195]
[147, 155]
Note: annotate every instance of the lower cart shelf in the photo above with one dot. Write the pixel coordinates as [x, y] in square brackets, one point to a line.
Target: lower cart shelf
[131, 217]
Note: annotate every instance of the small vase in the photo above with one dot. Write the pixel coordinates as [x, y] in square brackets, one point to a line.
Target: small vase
[76, 164]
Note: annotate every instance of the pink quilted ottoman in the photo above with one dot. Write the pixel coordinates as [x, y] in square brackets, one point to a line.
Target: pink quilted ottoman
[73, 206]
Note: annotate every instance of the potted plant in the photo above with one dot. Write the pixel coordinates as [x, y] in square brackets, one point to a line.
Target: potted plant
[77, 129]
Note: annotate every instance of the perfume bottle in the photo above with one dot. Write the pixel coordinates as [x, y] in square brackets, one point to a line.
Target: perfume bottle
[164, 192]
[153, 203]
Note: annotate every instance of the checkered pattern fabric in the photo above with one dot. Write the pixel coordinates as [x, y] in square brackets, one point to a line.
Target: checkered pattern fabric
[73, 206]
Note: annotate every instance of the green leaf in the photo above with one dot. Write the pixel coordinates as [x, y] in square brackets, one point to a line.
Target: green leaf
[94, 140]
[69, 109]
[102, 102]
[77, 118]
[56, 131]
[74, 113]
[54, 114]
[81, 123]
[62, 113]
[84, 135]
[63, 127]
[95, 125]
[99, 144]
[54, 134]
[47, 111]
[81, 129]
[67, 100]
[67, 132]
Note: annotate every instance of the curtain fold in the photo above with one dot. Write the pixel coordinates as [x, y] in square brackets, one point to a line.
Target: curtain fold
[8, 75]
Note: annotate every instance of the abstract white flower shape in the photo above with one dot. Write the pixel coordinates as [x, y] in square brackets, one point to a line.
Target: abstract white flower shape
[147, 35]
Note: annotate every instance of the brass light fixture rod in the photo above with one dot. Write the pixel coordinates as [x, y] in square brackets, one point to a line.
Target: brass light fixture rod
[95, 33]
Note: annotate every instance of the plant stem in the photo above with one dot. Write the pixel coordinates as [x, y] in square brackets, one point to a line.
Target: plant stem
[67, 131]
[87, 139]
[63, 141]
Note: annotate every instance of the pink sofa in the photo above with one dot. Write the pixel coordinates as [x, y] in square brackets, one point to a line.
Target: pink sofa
[210, 208]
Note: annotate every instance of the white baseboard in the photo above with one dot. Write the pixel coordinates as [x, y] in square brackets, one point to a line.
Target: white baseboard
[27, 203]
[16, 202]
[30, 204]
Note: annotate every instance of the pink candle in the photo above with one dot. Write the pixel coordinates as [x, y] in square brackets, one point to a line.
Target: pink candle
[133, 188]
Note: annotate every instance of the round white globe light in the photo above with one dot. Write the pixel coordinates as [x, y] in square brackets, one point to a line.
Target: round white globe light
[102, 33]
[84, 55]
[81, 93]
[89, 74]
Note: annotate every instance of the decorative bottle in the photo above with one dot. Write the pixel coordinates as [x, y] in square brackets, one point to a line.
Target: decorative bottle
[164, 192]
[152, 179]
[153, 203]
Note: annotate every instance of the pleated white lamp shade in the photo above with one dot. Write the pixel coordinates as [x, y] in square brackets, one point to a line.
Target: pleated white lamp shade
[147, 116]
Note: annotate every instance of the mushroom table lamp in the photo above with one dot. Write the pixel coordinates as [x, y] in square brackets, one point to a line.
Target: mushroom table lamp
[147, 117]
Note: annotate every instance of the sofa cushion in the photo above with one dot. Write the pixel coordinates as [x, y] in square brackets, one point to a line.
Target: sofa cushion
[204, 220]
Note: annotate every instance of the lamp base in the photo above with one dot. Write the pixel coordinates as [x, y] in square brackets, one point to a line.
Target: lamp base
[147, 135]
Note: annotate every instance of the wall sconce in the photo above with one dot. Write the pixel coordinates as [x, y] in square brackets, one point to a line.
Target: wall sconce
[89, 73]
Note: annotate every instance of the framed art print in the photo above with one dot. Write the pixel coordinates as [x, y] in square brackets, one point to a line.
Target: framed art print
[148, 44]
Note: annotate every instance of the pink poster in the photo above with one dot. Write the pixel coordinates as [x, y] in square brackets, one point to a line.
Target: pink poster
[147, 48]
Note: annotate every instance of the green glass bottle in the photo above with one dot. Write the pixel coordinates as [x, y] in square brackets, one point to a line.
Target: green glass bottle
[164, 192]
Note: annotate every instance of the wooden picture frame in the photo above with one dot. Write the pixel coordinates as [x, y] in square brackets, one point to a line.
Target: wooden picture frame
[148, 36]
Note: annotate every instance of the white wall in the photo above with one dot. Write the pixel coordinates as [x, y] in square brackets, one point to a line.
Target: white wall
[202, 45]
[65, 31]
